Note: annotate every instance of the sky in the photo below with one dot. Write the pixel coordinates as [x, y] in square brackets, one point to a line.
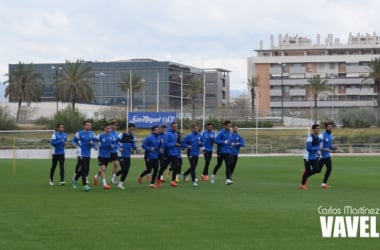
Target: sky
[200, 33]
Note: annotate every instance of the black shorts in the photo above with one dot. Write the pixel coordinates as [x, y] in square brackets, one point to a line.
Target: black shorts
[113, 157]
[103, 161]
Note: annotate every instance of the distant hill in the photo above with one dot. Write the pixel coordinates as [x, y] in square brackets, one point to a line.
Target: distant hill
[235, 93]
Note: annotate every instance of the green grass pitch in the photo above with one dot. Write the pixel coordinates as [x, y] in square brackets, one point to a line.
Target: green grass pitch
[263, 209]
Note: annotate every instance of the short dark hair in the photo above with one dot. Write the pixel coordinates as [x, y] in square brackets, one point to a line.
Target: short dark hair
[194, 125]
[86, 121]
[208, 124]
[154, 127]
[227, 122]
[113, 122]
[163, 126]
[328, 123]
[131, 125]
[314, 126]
[173, 123]
[59, 124]
[106, 125]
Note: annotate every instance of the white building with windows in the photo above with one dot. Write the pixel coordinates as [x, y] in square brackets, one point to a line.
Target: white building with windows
[284, 69]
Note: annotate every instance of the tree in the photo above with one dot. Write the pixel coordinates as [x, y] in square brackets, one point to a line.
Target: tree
[7, 121]
[316, 86]
[193, 90]
[137, 83]
[24, 85]
[374, 77]
[73, 83]
[252, 84]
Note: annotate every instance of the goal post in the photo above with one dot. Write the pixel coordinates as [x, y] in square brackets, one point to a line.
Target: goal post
[25, 144]
[285, 141]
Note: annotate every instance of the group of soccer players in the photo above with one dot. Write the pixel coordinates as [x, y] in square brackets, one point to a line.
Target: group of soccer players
[163, 148]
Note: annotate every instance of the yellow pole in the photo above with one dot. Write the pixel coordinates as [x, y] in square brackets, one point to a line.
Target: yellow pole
[14, 154]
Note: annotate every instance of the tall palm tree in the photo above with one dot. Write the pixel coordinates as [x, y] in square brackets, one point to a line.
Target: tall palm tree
[374, 77]
[24, 85]
[193, 90]
[138, 84]
[73, 82]
[252, 84]
[316, 86]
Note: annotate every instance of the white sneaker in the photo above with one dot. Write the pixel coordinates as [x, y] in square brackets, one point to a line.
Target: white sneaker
[62, 183]
[113, 181]
[229, 182]
[195, 184]
[186, 178]
[120, 186]
[212, 179]
[51, 183]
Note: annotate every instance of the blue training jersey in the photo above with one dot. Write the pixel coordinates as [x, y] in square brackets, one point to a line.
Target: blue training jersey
[237, 141]
[208, 140]
[326, 139]
[58, 141]
[83, 140]
[105, 145]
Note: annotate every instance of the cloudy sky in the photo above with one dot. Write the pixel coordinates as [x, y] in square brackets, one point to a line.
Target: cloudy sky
[201, 33]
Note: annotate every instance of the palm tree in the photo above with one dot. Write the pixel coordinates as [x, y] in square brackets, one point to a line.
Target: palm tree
[24, 85]
[374, 77]
[252, 84]
[137, 83]
[192, 90]
[73, 83]
[316, 86]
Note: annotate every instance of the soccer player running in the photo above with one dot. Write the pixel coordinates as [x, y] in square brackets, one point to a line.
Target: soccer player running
[208, 147]
[310, 157]
[114, 158]
[223, 141]
[172, 146]
[237, 141]
[326, 139]
[193, 142]
[83, 141]
[105, 146]
[151, 144]
[162, 154]
[58, 141]
[128, 143]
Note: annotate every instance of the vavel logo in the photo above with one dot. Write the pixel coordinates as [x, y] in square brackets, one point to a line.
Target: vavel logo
[348, 222]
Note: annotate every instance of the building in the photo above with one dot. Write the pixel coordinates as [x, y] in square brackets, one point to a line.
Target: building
[162, 81]
[217, 87]
[284, 69]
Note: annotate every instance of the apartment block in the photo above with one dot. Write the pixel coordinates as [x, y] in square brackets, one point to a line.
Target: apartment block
[284, 69]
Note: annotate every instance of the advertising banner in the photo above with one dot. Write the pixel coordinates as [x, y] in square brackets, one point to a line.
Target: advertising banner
[149, 119]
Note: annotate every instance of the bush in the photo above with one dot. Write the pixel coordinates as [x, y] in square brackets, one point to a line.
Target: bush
[44, 121]
[7, 121]
[72, 120]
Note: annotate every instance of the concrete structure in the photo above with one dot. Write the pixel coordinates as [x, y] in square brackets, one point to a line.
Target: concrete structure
[161, 78]
[283, 71]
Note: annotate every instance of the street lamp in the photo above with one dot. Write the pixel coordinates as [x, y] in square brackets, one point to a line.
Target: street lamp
[130, 90]
[181, 76]
[101, 75]
[204, 100]
[282, 65]
[56, 84]
[143, 82]
[158, 91]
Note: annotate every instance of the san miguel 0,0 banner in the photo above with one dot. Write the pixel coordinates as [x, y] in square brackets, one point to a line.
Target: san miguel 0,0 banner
[149, 119]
